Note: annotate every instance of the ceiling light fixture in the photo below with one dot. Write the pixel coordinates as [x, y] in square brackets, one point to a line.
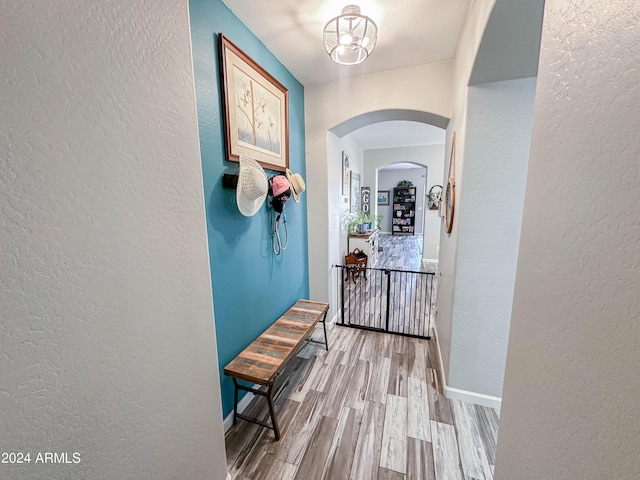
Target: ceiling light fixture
[350, 38]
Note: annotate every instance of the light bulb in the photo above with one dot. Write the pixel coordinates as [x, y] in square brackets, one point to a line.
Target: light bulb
[346, 39]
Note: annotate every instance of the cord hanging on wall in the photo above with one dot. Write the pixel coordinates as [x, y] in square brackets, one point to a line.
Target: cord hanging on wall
[280, 189]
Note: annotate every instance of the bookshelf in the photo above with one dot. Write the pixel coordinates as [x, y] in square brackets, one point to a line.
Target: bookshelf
[404, 211]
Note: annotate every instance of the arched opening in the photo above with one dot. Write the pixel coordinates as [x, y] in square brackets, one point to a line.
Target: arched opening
[377, 142]
[389, 115]
[384, 147]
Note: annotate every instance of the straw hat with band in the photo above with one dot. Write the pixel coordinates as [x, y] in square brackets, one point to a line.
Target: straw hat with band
[297, 184]
[252, 186]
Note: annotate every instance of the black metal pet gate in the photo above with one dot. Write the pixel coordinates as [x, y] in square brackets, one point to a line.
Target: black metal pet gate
[387, 300]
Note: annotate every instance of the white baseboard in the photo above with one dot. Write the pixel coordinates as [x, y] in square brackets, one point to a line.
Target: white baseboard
[464, 395]
[332, 322]
[472, 397]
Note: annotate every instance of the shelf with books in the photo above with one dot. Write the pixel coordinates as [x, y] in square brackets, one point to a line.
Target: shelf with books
[404, 211]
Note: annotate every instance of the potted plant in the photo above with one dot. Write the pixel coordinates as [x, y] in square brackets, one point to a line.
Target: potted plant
[378, 220]
[405, 183]
[353, 219]
[360, 221]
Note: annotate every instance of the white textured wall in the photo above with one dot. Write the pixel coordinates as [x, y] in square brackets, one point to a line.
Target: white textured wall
[498, 139]
[570, 403]
[337, 230]
[431, 156]
[327, 106]
[466, 51]
[107, 334]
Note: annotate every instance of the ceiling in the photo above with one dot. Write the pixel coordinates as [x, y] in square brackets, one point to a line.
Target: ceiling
[397, 134]
[410, 32]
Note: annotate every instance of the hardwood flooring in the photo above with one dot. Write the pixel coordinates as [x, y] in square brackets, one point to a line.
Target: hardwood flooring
[403, 252]
[369, 409]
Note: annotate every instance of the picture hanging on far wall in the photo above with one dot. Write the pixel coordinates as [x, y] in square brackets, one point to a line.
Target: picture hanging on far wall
[346, 185]
[256, 108]
[355, 191]
[383, 197]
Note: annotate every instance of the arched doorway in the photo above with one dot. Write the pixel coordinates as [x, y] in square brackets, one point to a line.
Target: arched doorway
[365, 160]
[332, 112]
[383, 149]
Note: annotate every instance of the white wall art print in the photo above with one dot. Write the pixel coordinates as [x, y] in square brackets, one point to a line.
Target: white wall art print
[256, 110]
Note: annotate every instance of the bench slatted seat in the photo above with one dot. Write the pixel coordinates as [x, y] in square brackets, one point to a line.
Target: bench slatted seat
[265, 359]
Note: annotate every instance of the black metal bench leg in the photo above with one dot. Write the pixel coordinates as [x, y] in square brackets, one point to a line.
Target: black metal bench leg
[235, 401]
[324, 326]
[272, 412]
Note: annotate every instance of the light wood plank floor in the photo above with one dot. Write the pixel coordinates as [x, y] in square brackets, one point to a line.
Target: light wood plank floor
[412, 306]
[403, 252]
[369, 409]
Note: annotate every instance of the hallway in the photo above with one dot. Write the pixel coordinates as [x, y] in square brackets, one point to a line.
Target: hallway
[396, 295]
[371, 408]
[403, 252]
[368, 409]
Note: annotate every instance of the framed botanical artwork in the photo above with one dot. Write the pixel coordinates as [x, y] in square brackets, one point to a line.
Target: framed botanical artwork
[256, 110]
[355, 191]
[346, 184]
[383, 197]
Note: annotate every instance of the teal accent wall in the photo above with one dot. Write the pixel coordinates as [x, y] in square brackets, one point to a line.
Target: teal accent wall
[252, 286]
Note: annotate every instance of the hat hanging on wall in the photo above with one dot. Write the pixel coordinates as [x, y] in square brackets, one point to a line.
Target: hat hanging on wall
[297, 184]
[252, 186]
[281, 191]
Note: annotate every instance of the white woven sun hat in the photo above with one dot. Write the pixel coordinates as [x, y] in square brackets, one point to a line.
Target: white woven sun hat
[297, 184]
[252, 186]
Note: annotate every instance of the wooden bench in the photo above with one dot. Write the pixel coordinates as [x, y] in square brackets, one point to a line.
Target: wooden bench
[264, 360]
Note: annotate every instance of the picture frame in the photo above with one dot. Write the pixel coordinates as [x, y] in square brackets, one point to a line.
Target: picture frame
[450, 189]
[256, 110]
[355, 191]
[346, 181]
[383, 197]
